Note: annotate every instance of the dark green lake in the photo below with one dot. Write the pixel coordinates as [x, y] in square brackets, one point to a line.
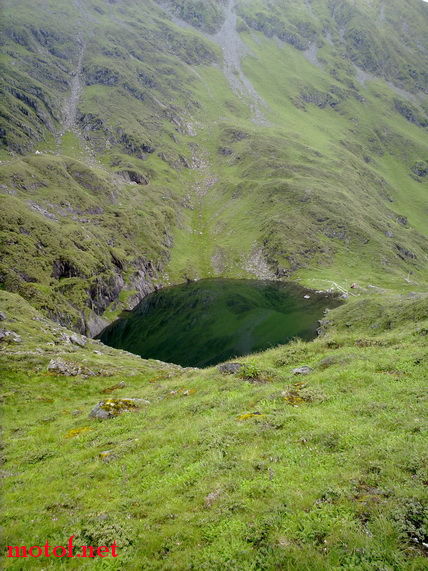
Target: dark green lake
[209, 321]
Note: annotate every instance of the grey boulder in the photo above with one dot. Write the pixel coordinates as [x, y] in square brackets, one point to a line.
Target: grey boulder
[302, 370]
[229, 368]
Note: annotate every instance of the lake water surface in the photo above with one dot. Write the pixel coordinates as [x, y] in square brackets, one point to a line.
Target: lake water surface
[209, 321]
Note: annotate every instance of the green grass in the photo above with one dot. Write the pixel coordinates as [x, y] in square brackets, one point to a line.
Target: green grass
[333, 479]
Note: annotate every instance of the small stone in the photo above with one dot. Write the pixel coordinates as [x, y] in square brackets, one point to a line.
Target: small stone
[120, 385]
[307, 297]
[211, 498]
[328, 362]
[107, 455]
[2, 316]
[302, 370]
[229, 368]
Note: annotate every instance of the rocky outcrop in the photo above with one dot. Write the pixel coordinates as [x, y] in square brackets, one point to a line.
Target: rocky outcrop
[134, 176]
[101, 76]
[271, 26]
[404, 253]
[110, 408]
[63, 268]
[74, 339]
[420, 169]
[409, 112]
[9, 336]
[230, 368]
[59, 366]
[133, 146]
[402, 220]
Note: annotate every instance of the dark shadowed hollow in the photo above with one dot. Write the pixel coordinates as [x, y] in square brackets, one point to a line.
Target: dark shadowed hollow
[206, 322]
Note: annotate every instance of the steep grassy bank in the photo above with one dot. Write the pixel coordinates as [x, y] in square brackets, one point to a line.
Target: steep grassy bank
[259, 470]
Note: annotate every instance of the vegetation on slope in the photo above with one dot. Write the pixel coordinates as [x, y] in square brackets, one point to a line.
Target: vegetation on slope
[372, 35]
[88, 233]
[131, 160]
[258, 470]
[141, 141]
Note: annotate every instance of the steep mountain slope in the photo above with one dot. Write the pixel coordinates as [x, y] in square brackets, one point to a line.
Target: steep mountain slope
[148, 143]
[152, 142]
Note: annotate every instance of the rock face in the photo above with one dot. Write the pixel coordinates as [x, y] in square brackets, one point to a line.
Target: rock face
[404, 253]
[9, 336]
[110, 408]
[95, 324]
[107, 292]
[302, 370]
[134, 176]
[103, 291]
[63, 268]
[142, 280]
[229, 368]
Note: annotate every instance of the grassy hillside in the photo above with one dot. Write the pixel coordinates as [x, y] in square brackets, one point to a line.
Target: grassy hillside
[150, 143]
[258, 470]
[161, 129]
